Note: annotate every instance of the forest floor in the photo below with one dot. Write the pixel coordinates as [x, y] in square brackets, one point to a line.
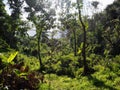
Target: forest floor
[102, 80]
[105, 77]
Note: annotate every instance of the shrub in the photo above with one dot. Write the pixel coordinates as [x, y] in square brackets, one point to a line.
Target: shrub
[66, 65]
[117, 82]
[15, 79]
[30, 61]
[15, 74]
[79, 72]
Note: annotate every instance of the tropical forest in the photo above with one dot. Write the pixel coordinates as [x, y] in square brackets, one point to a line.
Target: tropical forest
[59, 45]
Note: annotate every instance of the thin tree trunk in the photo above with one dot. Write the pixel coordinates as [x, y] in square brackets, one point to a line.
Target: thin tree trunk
[75, 48]
[39, 51]
[84, 40]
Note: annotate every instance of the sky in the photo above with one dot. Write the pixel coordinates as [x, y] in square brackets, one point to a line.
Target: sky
[101, 6]
[103, 3]
[87, 10]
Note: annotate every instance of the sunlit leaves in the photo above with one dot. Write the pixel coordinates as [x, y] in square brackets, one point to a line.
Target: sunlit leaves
[12, 56]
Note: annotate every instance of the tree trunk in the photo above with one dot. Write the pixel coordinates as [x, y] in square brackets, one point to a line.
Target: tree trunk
[39, 51]
[75, 48]
[84, 40]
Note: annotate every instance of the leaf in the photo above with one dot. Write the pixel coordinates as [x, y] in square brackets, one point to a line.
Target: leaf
[79, 51]
[106, 52]
[2, 57]
[81, 45]
[12, 56]
[23, 74]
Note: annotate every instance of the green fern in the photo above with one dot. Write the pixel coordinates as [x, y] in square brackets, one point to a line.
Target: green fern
[12, 56]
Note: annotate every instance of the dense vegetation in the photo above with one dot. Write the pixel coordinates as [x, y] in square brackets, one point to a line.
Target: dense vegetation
[69, 51]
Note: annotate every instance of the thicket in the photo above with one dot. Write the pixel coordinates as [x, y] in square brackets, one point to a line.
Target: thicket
[43, 62]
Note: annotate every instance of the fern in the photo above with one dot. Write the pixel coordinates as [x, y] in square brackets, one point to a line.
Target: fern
[12, 56]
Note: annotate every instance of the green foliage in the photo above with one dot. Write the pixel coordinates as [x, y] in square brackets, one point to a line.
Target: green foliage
[3, 45]
[117, 83]
[67, 65]
[111, 28]
[95, 59]
[62, 68]
[8, 57]
[104, 78]
[61, 65]
[14, 78]
[18, 75]
[80, 49]
[79, 72]
[30, 61]
[12, 56]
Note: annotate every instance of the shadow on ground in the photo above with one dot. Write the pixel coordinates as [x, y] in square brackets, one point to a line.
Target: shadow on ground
[99, 83]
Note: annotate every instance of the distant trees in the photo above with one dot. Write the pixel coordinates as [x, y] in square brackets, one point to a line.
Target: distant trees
[42, 20]
[70, 25]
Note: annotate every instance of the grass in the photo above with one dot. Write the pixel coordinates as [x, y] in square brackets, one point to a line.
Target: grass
[102, 79]
[67, 83]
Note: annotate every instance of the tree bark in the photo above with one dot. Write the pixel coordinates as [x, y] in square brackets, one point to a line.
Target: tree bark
[39, 51]
[84, 40]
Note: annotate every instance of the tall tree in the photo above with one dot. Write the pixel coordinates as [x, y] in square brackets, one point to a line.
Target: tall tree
[42, 17]
[15, 6]
[4, 24]
[84, 39]
[111, 26]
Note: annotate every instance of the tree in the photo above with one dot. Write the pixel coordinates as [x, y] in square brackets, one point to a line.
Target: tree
[84, 39]
[15, 6]
[42, 17]
[4, 24]
[111, 27]
[105, 29]
[70, 25]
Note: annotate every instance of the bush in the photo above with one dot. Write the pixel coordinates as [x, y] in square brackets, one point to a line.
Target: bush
[117, 82]
[30, 61]
[66, 65]
[15, 77]
[15, 73]
[79, 72]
